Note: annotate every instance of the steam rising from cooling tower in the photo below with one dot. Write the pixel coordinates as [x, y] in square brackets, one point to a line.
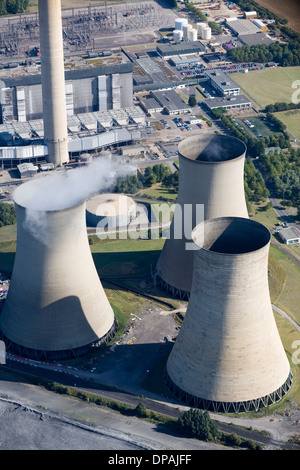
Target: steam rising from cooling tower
[228, 355]
[53, 81]
[211, 175]
[56, 306]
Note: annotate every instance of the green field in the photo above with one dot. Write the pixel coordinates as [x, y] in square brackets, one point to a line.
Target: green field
[292, 121]
[269, 85]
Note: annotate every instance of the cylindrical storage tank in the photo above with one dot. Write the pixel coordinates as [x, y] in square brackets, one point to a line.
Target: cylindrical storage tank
[56, 306]
[228, 355]
[177, 35]
[192, 35]
[110, 210]
[179, 22]
[53, 81]
[185, 29]
[206, 33]
[212, 177]
[199, 27]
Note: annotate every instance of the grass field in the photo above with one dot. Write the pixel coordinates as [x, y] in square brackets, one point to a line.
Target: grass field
[269, 85]
[291, 119]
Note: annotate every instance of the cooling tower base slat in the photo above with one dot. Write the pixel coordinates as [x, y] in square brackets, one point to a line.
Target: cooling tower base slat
[43, 355]
[228, 407]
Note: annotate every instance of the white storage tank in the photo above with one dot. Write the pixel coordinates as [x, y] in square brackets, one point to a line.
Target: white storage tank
[192, 35]
[179, 22]
[177, 35]
[185, 29]
[206, 33]
[200, 26]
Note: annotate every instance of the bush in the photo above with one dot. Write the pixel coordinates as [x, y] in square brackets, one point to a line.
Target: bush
[141, 410]
[197, 423]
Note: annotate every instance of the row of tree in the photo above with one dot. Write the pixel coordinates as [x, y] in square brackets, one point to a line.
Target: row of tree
[285, 54]
[281, 106]
[11, 7]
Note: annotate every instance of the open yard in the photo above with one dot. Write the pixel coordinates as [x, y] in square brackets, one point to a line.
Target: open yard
[269, 85]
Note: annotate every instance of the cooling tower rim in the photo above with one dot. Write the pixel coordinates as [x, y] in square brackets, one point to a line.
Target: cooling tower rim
[18, 200]
[252, 223]
[203, 138]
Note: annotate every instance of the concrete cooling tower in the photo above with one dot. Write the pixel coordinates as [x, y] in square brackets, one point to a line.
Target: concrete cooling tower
[56, 306]
[228, 355]
[111, 210]
[212, 175]
[53, 81]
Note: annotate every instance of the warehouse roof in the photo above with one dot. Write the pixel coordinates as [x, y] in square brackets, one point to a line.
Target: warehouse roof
[188, 47]
[243, 27]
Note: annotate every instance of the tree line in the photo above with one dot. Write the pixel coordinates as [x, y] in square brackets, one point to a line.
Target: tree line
[286, 55]
[11, 7]
[281, 106]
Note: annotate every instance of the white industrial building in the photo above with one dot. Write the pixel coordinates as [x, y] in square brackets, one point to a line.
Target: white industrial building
[289, 235]
[222, 82]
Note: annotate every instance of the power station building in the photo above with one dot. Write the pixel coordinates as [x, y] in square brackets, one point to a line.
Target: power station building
[211, 184]
[228, 356]
[56, 306]
[87, 90]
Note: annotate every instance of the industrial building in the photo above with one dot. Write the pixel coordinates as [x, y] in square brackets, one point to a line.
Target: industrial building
[23, 142]
[211, 184]
[56, 306]
[150, 105]
[27, 170]
[168, 50]
[222, 83]
[228, 102]
[254, 39]
[228, 356]
[240, 27]
[289, 235]
[87, 89]
[170, 101]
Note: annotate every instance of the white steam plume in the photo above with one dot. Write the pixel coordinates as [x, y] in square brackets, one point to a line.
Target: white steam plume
[64, 189]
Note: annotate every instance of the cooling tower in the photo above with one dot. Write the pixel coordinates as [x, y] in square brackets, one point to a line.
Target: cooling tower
[211, 174]
[228, 355]
[56, 306]
[53, 81]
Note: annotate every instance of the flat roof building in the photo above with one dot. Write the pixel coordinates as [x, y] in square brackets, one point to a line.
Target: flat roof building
[222, 83]
[254, 39]
[229, 102]
[289, 235]
[170, 101]
[150, 105]
[189, 47]
[240, 27]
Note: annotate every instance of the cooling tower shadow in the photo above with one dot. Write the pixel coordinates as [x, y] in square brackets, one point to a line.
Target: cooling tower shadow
[62, 323]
